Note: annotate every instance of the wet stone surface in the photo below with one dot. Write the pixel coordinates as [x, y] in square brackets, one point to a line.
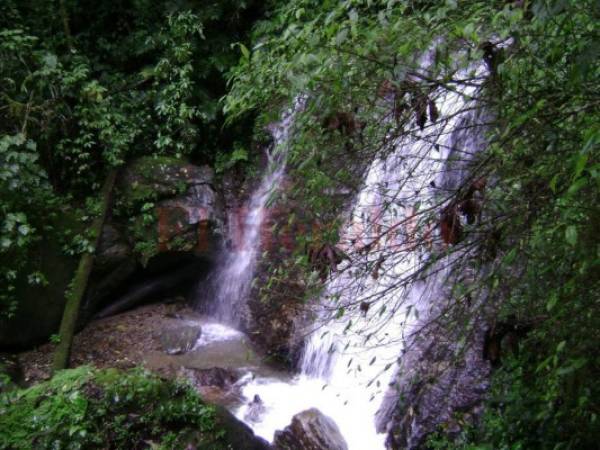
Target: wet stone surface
[170, 339]
[179, 340]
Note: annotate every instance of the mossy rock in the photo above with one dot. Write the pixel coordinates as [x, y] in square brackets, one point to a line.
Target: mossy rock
[169, 205]
[159, 177]
[40, 306]
[89, 408]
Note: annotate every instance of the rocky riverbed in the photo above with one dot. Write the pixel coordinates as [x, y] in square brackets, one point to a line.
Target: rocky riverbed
[168, 338]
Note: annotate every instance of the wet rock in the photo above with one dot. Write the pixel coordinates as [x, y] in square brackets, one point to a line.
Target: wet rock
[175, 341]
[239, 435]
[256, 409]
[310, 430]
[273, 325]
[216, 376]
[113, 249]
[432, 385]
[216, 385]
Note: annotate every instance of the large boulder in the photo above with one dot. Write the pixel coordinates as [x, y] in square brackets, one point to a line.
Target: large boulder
[310, 430]
[216, 385]
[167, 219]
[40, 306]
[178, 340]
[170, 205]
[239, 435]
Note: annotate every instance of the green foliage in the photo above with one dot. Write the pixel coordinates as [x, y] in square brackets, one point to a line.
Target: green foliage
[119, 81]
[87, 408]
[542, 207]
[225, 162]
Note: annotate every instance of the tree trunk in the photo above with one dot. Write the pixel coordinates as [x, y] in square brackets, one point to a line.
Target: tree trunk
[64, 15]
[78, 286]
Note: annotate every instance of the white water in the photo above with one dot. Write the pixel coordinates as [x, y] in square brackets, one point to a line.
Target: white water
[344, 373]
[234, 278]
[351, 354]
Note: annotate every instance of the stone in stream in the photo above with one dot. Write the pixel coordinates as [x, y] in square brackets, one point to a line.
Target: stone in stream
[216, 385]
[256, 409]
[310, 430]
[239, 435]
[215, 376]
[175, 341]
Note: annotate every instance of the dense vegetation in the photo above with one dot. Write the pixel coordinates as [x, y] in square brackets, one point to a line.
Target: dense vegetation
[542, 207]
[87, 86]
[86, 408]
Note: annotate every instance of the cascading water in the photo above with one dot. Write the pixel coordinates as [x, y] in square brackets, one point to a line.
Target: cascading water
[373, 303]
[234, 277]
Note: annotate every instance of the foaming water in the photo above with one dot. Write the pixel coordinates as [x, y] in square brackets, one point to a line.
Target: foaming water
[234, 276]
[365, 316]
[216, 332]
[284, 399]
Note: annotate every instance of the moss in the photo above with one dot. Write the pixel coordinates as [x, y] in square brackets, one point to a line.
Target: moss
[152, 179]
[89, 408]
[145, 236]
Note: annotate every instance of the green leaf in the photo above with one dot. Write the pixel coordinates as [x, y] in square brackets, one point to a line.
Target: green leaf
[580, 164]
[552, 301]
[571, 235]
[245, 51]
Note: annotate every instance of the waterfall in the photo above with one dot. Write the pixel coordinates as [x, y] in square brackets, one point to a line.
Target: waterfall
[233, 278]
[375, 301]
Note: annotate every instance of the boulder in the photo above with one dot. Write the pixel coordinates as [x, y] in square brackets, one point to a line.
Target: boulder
[215, 376]
[215, 385]
[168, 216]
[239, 435]
[256, 409]
[171, 206]
[39, 307]
[310, 430]
[175, 341]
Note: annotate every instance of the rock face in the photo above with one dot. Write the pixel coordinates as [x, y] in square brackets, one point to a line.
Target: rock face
[440, 382]
[40, 307]
[182, 200]
[168, 215]
[276, 313]
[310, 430]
